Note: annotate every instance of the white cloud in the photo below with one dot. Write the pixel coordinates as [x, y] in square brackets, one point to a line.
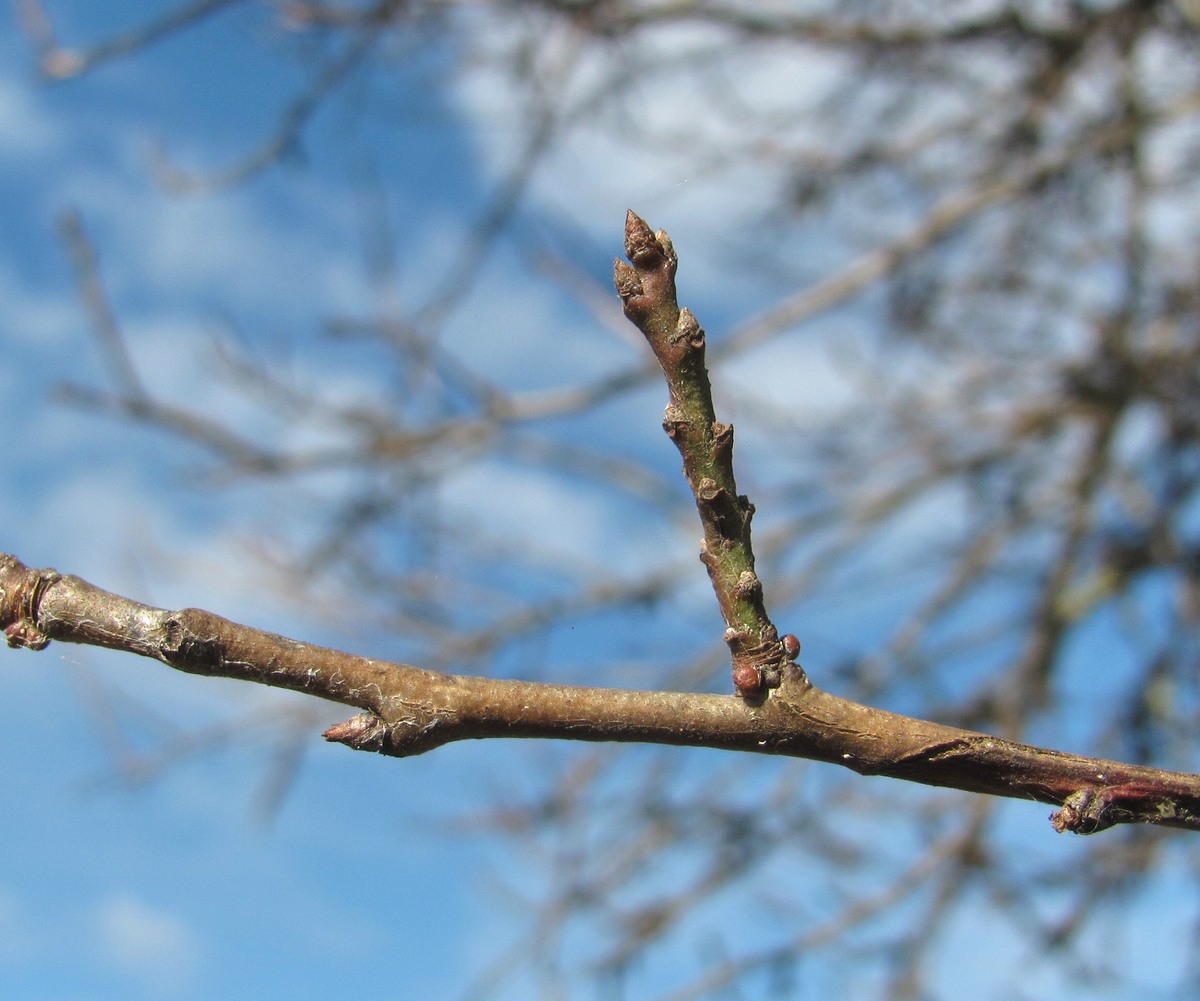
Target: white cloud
[556, 520]
[225, 249]
[149, 944]
[658, 141]
[26, 130]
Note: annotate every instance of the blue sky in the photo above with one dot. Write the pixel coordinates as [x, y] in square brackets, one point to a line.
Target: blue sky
[172, 889]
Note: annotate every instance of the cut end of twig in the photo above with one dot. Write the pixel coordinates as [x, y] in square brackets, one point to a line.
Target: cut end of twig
[1085, 811]
[1093, 809]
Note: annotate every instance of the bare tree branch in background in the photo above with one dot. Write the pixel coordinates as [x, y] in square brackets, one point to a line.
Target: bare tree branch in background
[990, 189]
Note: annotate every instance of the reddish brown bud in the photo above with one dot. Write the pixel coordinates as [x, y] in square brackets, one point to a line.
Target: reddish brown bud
[641, 245]
[746, 680]
[24, 633]
[791, 646]
[627, 281]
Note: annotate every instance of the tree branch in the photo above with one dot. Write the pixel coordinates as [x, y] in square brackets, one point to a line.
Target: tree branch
[647, 289]
[409, 711]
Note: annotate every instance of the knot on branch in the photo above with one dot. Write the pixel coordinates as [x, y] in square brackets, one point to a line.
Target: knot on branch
[729, 515]
[708, 490]
[757, 666]
[25, 633]
[748, 586]
[21, 590]
[189, 642]
[676, 426]
[722, 442]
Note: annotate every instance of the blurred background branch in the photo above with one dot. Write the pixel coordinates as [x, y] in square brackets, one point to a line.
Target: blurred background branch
[951, 295]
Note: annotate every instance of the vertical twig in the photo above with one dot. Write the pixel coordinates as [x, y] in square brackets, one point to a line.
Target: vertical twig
[647, 290]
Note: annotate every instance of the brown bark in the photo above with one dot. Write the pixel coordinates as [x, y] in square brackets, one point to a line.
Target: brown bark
[409, 711]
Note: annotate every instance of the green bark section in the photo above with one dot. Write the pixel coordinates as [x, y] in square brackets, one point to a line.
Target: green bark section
[647, 289]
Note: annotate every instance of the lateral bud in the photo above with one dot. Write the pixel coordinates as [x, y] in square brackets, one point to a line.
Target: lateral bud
[667, 248]
[747, 681]
[688, 330]
[748, 586]
[627, 280]
[364, 732]
[722, 442]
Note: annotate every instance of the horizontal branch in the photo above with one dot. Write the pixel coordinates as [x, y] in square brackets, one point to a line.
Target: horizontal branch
[408, 711]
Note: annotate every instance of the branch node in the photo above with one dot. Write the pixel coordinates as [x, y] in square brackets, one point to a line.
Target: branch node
[1091, 809]
[20, 605]
[748, 681]
[675, 425]
[722, 442]
[183, 640]
[364, 732]
[25, 633]
[748, 586]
